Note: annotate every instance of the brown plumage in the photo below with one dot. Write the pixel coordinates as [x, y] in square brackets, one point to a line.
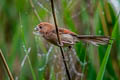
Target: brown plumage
[68, 37]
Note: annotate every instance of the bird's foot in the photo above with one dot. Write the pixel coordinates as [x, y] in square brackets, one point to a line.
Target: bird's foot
[60, 44]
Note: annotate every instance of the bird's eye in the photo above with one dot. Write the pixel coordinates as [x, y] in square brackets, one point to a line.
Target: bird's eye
[40, 27]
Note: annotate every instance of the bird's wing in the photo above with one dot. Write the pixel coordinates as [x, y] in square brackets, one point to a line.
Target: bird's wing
[67, 37]
[66, 31]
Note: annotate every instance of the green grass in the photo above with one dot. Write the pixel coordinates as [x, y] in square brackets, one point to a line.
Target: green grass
[26, 51]
[17, 22]
[107, 54]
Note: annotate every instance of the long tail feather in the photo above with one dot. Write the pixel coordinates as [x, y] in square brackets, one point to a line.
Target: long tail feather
[95, 40]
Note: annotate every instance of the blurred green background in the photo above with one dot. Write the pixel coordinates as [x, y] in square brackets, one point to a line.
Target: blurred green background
[30, 57]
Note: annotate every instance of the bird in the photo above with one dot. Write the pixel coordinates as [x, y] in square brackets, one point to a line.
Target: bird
[67, 37]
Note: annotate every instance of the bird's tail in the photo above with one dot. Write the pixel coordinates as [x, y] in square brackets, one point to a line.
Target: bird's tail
[95, 40]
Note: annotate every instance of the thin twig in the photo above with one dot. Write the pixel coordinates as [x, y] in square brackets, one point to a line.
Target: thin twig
[54, 16]
[6, 65]
[35, 11]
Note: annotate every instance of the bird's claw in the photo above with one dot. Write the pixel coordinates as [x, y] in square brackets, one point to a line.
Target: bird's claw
[60, 44]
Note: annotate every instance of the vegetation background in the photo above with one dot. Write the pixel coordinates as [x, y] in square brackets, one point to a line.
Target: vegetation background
[30, 57]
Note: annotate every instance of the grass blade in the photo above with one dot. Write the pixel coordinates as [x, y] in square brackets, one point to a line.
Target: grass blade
[106, 57]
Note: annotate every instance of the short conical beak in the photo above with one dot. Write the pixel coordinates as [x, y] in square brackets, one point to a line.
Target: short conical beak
[36, 28]
[36, 31]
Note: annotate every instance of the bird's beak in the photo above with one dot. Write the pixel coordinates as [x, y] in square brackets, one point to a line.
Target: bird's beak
[36, 28]
[36, 31]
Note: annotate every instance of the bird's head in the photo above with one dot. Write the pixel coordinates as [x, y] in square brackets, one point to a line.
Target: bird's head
[44, 27]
